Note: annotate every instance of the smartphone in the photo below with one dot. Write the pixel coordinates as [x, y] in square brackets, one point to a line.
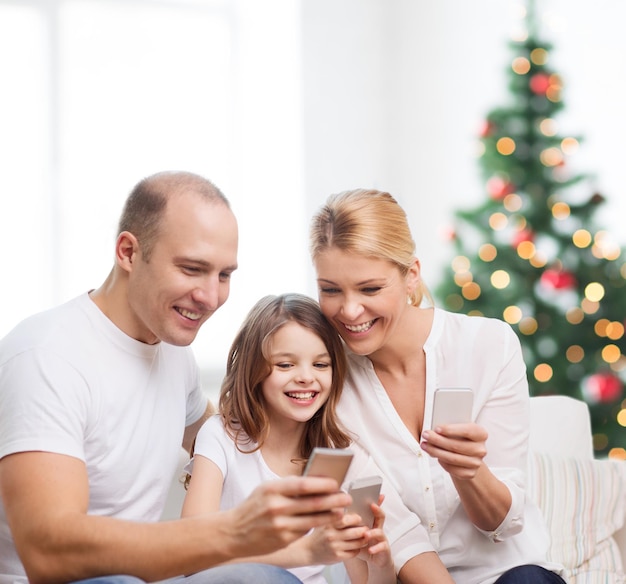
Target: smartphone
[365, 491]
[329, 462]
[452, 405]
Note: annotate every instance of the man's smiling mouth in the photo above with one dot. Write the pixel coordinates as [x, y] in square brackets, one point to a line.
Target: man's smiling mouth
[188, 314]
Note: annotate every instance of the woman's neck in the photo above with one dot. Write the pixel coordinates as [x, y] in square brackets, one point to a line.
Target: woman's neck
[397, 357]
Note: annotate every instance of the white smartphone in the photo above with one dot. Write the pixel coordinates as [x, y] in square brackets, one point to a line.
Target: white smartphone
[329, 462]
[452, 405]
[365, 491]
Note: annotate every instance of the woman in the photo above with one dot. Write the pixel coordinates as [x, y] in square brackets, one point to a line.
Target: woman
[464, 481]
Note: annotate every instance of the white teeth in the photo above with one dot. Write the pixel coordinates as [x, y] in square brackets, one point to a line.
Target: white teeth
[190, 315]
[300, 395]
[359, 328]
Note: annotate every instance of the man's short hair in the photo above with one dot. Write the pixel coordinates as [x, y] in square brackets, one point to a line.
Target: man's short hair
[146, 204]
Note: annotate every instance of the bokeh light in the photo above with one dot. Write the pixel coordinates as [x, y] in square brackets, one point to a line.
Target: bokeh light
[561, 210]
[575, 315]
[582, 238]
[500, 279]
[594, 291]
[498, 221]
[471, 291]
[487, 252]
[512, 314]
[543, 372]
[611, 353]
[575, 353]
[505, 146]
[521, 65]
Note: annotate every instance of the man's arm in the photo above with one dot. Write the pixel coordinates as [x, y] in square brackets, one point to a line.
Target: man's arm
[192, 429]
[46, 499]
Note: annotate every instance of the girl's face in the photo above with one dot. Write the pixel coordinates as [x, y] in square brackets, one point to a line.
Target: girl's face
[301, 376]
[364, 298]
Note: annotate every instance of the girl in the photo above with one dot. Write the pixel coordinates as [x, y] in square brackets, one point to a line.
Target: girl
[283, 379]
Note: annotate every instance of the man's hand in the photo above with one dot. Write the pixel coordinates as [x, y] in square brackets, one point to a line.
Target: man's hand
[279, 512]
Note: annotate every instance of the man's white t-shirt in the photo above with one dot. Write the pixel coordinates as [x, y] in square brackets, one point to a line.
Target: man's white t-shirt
[73, 383]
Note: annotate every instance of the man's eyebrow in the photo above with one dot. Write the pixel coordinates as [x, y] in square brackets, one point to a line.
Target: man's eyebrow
[203, 263]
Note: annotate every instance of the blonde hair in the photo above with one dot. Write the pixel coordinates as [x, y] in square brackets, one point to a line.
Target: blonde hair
[369, 223]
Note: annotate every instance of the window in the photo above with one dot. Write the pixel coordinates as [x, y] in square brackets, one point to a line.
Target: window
[100, 93]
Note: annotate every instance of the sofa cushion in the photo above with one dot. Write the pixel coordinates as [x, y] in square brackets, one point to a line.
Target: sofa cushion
[584, 504]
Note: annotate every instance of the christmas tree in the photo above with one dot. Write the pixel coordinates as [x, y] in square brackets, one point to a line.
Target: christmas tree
[531, 254]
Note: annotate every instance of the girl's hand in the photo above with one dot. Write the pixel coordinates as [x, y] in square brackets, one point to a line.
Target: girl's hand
[377, 551]
[460, 448]
[337, 542]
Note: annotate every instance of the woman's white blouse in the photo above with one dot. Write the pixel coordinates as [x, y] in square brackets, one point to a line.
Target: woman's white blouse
[484, 355]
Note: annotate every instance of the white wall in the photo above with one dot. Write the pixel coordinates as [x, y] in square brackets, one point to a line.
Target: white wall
[325, 95]
[395, 91]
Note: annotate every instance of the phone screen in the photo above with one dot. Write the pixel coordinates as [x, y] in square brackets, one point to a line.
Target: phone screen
[452, 405]
[329, 462]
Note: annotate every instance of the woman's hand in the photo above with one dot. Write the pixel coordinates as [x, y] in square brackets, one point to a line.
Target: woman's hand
[459, 448]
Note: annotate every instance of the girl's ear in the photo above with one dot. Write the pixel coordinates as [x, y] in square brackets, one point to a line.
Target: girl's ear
[126, 248]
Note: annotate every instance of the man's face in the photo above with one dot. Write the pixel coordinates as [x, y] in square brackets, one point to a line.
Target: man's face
[188, 275]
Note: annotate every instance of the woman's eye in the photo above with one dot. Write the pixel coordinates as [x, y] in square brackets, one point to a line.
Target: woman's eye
[371, 290]
[329, 290]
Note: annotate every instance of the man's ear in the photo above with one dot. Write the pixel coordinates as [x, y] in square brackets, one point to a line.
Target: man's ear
[126, 249]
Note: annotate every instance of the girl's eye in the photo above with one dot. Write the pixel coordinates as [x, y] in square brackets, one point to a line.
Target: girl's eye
[283, 365]
[322, 365]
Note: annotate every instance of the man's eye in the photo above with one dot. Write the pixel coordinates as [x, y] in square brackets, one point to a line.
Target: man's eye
[225, 276]
[190, 269]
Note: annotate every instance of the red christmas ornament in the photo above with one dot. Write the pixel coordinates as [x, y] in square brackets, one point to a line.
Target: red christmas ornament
[602, 388]
[558, 279]
[521, 236]
[486, 129]
[448, 233]
[499, 188]
[539, 83]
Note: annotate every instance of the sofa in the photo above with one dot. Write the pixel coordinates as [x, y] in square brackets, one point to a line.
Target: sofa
[582, 499]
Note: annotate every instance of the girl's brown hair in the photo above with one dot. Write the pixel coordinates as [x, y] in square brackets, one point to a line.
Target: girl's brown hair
[241, 401]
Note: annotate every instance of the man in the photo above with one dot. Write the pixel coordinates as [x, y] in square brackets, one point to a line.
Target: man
[97, 395]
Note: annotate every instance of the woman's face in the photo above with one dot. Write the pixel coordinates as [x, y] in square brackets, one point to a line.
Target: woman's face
[364, 298]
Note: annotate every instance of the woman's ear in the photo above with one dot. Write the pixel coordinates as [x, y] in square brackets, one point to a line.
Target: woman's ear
[413, 276]
[126, 249]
